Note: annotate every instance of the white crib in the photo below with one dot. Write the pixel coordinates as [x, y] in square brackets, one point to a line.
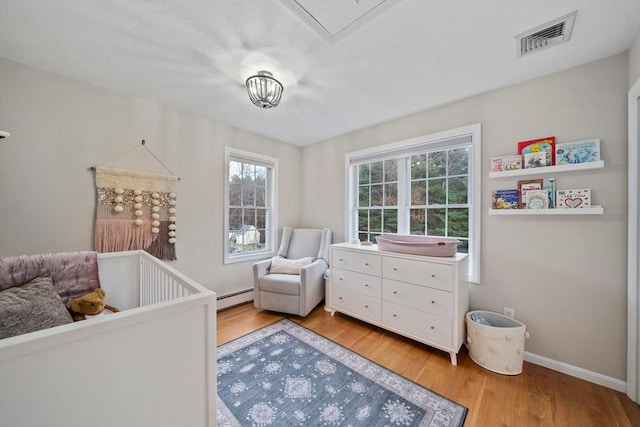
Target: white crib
[151, 364]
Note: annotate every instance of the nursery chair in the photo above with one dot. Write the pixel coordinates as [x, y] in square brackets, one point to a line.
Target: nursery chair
[284, 289]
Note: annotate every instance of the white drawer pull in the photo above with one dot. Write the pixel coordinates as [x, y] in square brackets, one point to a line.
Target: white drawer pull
[366, 306]
[366, 285]
[395, 315]
[366, 263]
[395, 268]
[433, 275]
[395, 292]
[339, 297]
[433, 327]
[341, 259]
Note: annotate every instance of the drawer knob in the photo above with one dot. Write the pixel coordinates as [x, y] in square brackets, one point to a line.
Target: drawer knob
[433, 327]
[339, 297]
[395, 292]
[366, 306]
[340, 278]
[366, 285]
[433, 302]
[341, 259]
[395, 315]
[366, 263]
[433, 275]
[395, 268]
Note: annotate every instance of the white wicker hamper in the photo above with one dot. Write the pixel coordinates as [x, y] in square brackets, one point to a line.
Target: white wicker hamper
[499, 347]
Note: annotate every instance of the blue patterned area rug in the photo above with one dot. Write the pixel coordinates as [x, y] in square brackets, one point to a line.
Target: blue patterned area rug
[287, 375]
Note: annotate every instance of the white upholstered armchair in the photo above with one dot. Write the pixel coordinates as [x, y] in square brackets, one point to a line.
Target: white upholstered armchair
[278, 288]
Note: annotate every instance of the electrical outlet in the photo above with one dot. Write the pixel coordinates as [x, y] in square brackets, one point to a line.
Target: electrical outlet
[510, 312]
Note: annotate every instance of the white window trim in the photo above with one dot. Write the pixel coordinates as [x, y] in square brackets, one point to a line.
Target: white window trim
[475, 213]
[272, 202]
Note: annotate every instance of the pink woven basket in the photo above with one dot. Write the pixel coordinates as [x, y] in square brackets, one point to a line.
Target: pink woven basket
[418, 245]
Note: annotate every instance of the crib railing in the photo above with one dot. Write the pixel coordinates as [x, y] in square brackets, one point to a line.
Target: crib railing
[158, 284]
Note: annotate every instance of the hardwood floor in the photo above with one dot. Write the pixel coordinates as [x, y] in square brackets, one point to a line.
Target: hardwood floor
[537, 397]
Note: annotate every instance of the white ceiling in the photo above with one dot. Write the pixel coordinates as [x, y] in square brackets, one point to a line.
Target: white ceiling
[414, 55]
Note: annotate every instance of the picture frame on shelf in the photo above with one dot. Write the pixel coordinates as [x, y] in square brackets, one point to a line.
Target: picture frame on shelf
[547, 144]
[573, 198]
[528, 185]
[568, 153]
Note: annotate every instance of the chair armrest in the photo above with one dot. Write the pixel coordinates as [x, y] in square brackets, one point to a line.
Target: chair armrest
[261, 268]
[314, 271]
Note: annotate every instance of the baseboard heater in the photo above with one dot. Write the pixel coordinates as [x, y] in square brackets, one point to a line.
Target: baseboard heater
[235, 298]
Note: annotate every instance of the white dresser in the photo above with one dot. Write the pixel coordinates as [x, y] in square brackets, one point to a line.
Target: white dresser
[423, 298]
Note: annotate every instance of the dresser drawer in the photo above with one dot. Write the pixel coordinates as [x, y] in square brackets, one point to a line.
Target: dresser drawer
[430, 327]
[422, 273]
[431, 300]
[356, 303]
[357, 282]
[356, 261]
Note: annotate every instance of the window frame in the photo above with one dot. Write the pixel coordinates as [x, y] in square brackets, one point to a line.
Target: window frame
[271, 199]
[401, 148]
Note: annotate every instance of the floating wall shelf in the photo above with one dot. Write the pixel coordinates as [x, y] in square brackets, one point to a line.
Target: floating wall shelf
[593, 210]
[548, 170]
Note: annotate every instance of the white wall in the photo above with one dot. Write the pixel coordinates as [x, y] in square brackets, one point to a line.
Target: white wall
[60, 127]
[565, 276]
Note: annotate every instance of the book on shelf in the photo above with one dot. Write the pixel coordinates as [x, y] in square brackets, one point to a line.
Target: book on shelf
[506, 163]
[586, 151]
[496, 164]
[527, 185]
[549, 184]
[538, 159]
[536, 199]
[539, 145]
[505, 199]
[574, 198]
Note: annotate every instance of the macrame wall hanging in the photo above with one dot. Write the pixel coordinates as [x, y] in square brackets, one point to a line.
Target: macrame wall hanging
[136, 210]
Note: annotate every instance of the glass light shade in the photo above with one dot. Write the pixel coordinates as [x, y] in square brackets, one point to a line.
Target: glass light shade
[264, 90]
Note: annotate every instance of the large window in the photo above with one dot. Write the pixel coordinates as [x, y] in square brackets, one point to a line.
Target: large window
[250, 198]
[425, 186]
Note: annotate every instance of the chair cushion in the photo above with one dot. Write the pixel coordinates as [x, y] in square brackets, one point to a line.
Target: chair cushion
[304, 243]
[287, 284]
[288, 266]
[31, 307]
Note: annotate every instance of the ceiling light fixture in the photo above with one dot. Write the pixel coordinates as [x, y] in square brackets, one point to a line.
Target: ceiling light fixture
[264, 90]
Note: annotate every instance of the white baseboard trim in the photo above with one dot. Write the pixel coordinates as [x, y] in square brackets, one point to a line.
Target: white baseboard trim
[574, 371]
[226, 301]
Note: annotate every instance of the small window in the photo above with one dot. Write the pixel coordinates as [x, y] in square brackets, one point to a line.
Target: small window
[249, 212]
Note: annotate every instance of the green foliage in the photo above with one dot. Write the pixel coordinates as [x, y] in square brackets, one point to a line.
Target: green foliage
[438, 180]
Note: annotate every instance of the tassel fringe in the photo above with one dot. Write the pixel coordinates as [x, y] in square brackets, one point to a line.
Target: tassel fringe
[122, 235]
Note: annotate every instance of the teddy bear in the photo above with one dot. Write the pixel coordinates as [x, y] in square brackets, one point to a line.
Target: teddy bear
[90, 305]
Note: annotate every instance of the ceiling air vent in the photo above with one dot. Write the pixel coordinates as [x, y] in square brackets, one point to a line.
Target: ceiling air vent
[547, 35]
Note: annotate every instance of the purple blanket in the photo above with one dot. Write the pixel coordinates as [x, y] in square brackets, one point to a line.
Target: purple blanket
[74, 273]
